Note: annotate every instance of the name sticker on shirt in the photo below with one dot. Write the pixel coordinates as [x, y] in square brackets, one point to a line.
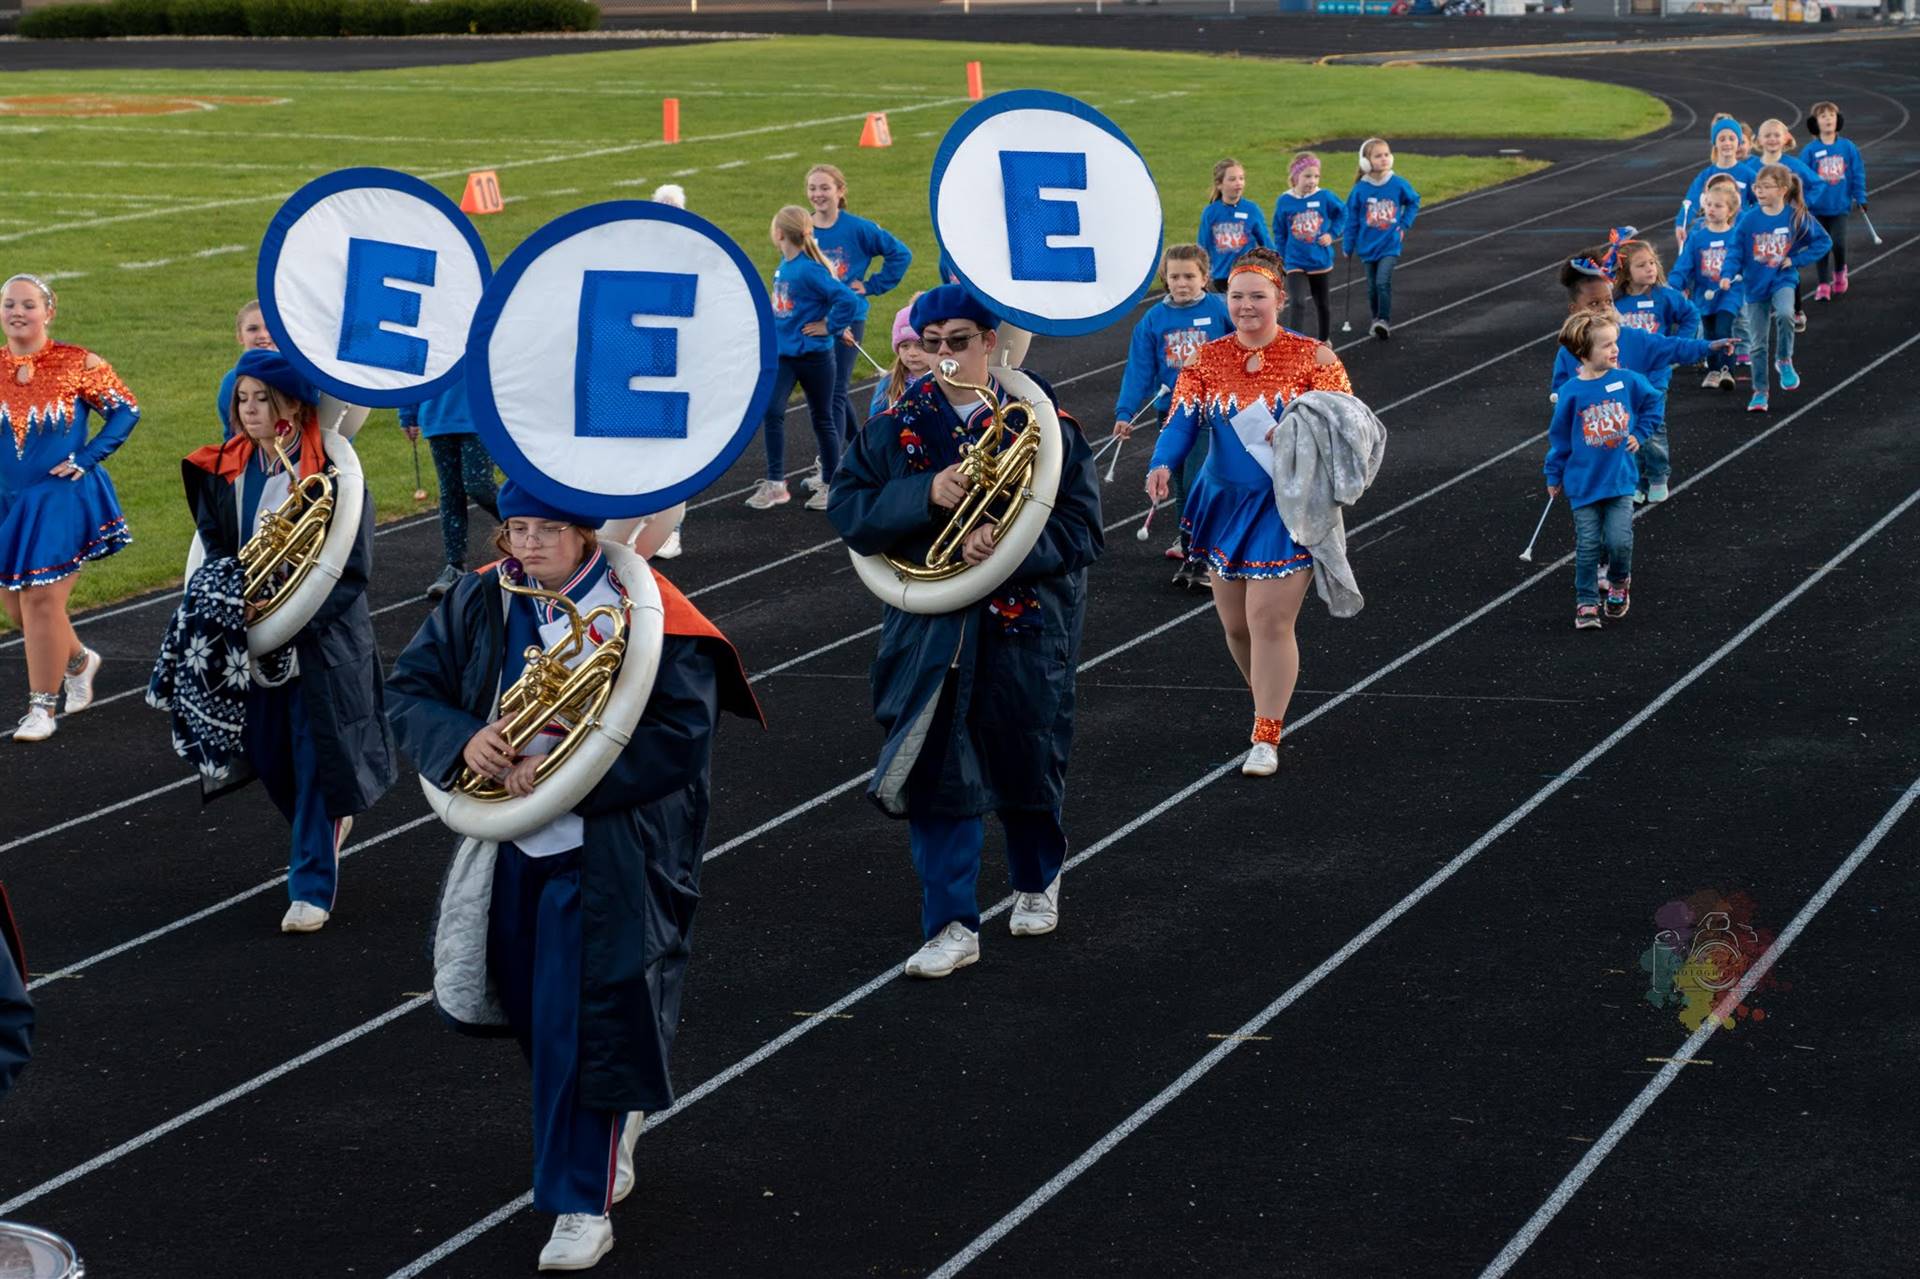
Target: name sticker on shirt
[1203, 321]
[1616, 386]
[1239, 215]
[1644, 305]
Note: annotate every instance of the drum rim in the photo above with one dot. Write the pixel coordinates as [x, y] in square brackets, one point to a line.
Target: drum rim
[39, 1234]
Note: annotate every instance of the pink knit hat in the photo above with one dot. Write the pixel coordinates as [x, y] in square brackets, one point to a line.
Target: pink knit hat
[903, 325]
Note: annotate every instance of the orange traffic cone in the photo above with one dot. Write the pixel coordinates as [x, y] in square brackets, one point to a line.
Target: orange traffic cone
[483, 193]
[876, 134]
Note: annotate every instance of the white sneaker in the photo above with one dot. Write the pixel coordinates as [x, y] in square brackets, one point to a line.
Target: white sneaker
[304, 917]
[769, 494]
[1036, 913]
[623, 1161]
[80, 687]
[813, 481]
[818, 502]
[36, 725]
[669, 549]
[1262, 761]
[955, 946]
[579, 1241]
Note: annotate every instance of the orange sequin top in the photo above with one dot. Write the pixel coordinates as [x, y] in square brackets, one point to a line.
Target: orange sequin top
[46, 414]
[1215, 385]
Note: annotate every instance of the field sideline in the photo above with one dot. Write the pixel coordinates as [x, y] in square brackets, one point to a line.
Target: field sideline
[151, 222]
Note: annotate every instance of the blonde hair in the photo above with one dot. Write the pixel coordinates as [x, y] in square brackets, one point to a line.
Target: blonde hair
[670, 193]
[1366, 165]
[1723, 188]
[284, 406]
[1623, 269]
[1580, 334]
[839, 179]
[1786, 146]
[47, 294]
[1220, 168]
[795, 226]
[239, 317]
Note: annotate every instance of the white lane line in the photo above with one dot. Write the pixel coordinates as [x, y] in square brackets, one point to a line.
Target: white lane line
[1570, 1185]
[1353, 691]
[98, 813]
[208, 1107]
[125, 946]
[1259, 1022]
[808, 656]
[815, 549]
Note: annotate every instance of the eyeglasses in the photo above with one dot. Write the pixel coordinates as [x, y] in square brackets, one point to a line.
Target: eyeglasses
[955, 342]
[536, 534]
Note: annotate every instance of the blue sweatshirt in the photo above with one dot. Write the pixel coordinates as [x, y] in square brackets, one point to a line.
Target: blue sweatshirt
[445, 414]
[1651, 355]
[1839, 176]
[1587, 444]
[1751, 166]
[1661, 309]
[1228, 230]
[1300, 221]
[804, 291]
[1163, 343]
[1690, 207]
[1697, 272]
[852, 243]
[1379, 214]
[1759, 235]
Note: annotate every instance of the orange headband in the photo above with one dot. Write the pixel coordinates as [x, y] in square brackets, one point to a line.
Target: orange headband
[1258, 269]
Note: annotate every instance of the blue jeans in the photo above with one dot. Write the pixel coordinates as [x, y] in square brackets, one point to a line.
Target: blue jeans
[1717, 326]
[1380, 287]
[1773, 315]
[946, 853]
[534, 957]
[1601, 530]
[814, 371]
[845, 359]
[279, 745]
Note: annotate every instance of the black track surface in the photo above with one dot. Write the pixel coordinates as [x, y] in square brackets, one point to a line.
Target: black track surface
[1405, 1116]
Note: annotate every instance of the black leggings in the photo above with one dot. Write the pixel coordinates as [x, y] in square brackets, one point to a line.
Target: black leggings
[1836, 259]
[1316, 284]
[466, 472]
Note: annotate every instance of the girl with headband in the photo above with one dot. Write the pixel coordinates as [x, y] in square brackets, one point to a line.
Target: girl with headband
[1260, 575]
[1307, 222]
[57, 507]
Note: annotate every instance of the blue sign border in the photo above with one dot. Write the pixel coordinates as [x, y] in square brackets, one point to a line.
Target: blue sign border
[275, 240]
[479, 369]
[1030, 100]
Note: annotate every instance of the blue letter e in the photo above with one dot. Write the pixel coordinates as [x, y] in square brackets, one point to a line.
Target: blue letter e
[614, 350]
[371, 301]
[1030, 219]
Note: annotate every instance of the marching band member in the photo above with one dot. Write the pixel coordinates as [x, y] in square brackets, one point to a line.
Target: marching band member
[1259, 575]
[586, 928]
[314, 729]
[977, 704]
[57, 506]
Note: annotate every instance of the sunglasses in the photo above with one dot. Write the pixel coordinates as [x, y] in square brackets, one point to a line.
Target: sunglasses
[955, 342]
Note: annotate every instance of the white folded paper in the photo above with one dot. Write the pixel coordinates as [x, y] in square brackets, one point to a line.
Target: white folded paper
[1253, 425]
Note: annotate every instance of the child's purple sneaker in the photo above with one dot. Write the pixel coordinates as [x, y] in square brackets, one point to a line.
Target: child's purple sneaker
[1586, 617]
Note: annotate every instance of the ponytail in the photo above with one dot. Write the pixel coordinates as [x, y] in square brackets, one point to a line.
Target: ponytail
[1220, 173]
[795, 226]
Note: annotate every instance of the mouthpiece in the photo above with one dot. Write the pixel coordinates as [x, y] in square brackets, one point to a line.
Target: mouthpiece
[949, 367]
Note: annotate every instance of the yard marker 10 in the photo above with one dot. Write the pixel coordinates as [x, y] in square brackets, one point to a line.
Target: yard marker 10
[482, 193]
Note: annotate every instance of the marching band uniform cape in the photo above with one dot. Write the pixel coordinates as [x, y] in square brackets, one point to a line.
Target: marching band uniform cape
[643, 828]
[50, 526]
[999, 740]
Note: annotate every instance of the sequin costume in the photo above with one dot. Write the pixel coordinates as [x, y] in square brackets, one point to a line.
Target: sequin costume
[50, 526]
[1230, 515]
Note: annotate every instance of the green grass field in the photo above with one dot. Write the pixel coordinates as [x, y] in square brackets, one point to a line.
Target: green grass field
[152, 222]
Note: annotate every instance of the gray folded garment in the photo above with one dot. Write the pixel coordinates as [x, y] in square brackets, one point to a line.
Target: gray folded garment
[1327, 448]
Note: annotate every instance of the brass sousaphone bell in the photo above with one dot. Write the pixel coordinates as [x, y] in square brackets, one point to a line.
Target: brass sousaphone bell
[302, 547]
[1013, 475]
